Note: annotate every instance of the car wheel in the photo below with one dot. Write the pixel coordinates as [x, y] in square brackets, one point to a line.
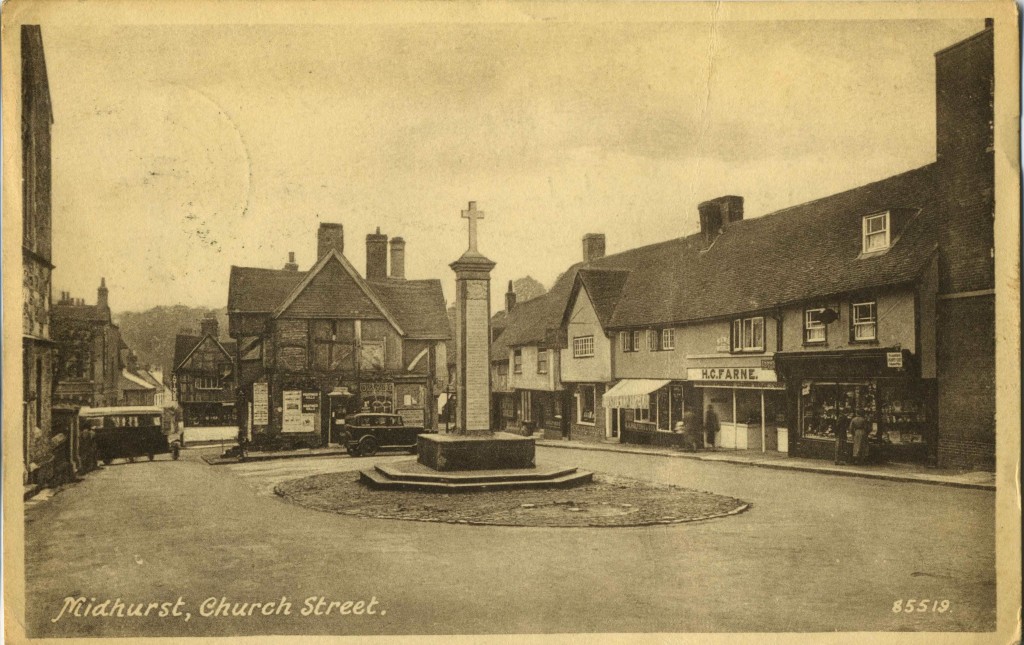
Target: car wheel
[368, 446]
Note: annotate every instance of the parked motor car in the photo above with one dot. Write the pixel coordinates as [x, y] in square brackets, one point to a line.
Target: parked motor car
[129, 432]
[368, 432]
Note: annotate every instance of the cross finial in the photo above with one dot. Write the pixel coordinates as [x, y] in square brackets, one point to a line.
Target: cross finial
[472, 214]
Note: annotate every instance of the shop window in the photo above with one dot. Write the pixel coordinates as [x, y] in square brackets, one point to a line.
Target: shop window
[748, 334]
[517, 361]
[542, 361]
[668, 339]
[864, 322]
[815, 330]
[903, 415]
[630, 340]
[642, 414]
[508, 407]
[875, 229]
[822, 404]
[586, 403]
[583, 347]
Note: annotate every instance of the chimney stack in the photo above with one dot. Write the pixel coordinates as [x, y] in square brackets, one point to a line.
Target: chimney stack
[376, 256]
[510, 299]
[291, 266]
[397, 258]
[593, 246]
[716, 214]
[101, 294]
[330, 236]
[209, 326]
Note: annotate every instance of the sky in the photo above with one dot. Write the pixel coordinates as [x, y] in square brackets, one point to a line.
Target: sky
[179, 151]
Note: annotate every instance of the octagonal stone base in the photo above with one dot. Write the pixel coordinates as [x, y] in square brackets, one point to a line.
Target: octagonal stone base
[497, 451]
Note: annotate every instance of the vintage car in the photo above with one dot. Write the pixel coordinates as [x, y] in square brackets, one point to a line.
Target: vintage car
[368, 432]
[129, 432]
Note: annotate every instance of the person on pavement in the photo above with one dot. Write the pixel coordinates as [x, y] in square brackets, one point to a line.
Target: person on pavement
[860, 426]
[711, 426]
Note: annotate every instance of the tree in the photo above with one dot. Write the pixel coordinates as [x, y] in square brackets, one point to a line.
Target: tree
[527, 288]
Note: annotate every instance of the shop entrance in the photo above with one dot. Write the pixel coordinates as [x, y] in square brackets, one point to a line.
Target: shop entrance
[749, 418]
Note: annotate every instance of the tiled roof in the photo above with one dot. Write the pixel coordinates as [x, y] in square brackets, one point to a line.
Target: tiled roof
[183, 345]
[604, 286]
[417, 305]
[793, 255]
[534, 321]
[129, 381]
[90, 313]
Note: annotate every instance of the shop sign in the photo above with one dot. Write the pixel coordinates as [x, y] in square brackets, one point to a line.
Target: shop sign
[310, 402]
[260, 404]
[376, 389]
[894, 360]
[730, 374]
[768, 364]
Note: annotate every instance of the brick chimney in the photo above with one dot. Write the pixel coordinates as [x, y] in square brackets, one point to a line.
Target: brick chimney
[593, 246]
[101, 295]
[716, 214]
[397, 258]
[330, 236]
[510, 298]
[290, 265]
[376, 256]
[209, 326]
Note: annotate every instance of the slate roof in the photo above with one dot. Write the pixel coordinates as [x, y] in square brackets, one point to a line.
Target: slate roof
[417, 305]
[793, 255]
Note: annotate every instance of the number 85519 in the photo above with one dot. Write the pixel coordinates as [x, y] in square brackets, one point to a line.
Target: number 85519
[920, 606]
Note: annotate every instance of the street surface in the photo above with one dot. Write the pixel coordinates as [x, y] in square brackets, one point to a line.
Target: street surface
[814, 553]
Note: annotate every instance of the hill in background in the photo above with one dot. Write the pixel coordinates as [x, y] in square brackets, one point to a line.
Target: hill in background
[150, 334]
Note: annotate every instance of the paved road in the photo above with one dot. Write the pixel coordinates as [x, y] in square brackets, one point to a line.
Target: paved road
[815, 553]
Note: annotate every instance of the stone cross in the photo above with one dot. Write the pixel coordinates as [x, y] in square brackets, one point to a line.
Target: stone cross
[472, 214]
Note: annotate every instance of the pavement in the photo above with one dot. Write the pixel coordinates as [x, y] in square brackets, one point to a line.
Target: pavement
[814, 553]
[981, 480]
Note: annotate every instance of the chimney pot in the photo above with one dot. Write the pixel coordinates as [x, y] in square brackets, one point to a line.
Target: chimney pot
[330, 236]
[291, 265]
[718, 213]
[209, 325]
[397, 258]
[593, 246]
[101, 294]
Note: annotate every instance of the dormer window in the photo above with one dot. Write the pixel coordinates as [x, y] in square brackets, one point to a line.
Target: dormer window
[876, 232]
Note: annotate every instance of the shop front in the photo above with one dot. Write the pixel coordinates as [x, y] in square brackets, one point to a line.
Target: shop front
[749, 403]
[825, 391]
[648, 411]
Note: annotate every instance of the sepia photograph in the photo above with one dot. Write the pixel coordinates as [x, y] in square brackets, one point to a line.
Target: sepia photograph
[642, 321]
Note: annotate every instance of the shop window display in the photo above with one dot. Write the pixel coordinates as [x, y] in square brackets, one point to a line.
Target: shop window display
[903, 416]
[823, 403]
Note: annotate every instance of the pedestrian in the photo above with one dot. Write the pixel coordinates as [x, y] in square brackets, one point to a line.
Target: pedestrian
[711, 426]
[842, 425]
[692, 428]
[859, 425]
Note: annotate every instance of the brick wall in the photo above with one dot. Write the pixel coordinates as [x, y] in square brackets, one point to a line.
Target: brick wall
[582, 431]
[966, 382]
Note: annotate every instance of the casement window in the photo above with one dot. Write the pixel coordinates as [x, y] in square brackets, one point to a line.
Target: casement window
[586, 404]
[748, 334]
[207, 383]
[542, 361]
[668, 339]
[583, 347]
[815, 330]
[517, 361]
[864, 322]
[876, 232]
[653, 340]
[631, 341]
[503, 368]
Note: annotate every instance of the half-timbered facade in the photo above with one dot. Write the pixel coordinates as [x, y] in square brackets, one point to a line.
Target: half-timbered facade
[318, 345]
[205, 376]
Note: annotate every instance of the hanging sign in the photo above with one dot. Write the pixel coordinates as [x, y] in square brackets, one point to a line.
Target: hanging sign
[894, 360]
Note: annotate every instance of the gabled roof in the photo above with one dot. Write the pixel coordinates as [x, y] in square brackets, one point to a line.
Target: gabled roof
[416, 308]
[603, 287]
[793, 255]
[186, 344]
[131, 381]
[87, 313]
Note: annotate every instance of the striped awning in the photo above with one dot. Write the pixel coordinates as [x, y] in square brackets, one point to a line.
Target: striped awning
[631, 393]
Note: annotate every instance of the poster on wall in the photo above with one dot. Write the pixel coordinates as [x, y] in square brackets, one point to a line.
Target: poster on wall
[291, 415]
[260, 404]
